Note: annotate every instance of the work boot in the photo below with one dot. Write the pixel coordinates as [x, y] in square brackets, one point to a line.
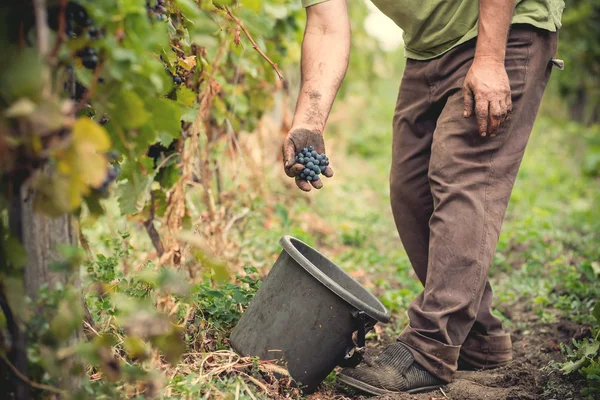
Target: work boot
[394, 370]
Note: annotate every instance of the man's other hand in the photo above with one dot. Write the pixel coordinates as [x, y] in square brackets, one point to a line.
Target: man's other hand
[487, 95]
[295, 141]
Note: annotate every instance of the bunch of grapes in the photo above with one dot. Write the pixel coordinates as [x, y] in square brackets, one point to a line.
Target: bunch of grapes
[158, 9]
[314, 164]
[76, 19]
[89, 57]
[176, 79]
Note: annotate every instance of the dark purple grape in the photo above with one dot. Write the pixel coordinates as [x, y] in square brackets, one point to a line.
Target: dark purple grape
[94, 33]
[90, 62]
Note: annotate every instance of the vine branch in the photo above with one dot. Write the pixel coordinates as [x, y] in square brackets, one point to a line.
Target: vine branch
[41, 16]
[61, 29]
[25, 379]
[42, 34]
[262, 53]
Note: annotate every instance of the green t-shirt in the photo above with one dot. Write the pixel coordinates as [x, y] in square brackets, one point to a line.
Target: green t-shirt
[432, 27]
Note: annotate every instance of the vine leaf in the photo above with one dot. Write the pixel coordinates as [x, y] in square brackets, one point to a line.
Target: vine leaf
[79, 168]
[90, 143]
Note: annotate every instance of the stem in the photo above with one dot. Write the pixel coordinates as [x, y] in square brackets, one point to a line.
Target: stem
[243, 28]
[26, 380]
[90, 92]
[42, 32]
[151, 229]
[41, 25]
[61, 29]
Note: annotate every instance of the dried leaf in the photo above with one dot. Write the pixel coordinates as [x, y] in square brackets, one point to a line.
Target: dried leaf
[20, 108]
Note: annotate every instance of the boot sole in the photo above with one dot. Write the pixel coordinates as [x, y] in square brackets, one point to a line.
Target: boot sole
[365, 387]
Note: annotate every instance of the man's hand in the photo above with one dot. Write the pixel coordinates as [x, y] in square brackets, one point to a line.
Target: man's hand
[295, 141]
[487, 93]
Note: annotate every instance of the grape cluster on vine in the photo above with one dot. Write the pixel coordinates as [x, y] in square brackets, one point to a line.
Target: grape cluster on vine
[314, 164]
[77, 20]
[89, 57]
[159, 10]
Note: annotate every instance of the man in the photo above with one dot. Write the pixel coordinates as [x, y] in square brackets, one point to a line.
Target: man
[473, 82]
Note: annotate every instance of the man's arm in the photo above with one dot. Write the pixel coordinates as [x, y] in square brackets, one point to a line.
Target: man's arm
[486, 87]
[325, 53]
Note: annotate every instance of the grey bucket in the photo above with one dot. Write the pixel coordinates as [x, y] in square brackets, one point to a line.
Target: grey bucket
[305, 313]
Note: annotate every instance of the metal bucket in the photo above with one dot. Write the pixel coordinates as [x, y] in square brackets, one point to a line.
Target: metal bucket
[305, 314]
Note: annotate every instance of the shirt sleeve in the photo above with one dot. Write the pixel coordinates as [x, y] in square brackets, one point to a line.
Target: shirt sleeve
[308, 3]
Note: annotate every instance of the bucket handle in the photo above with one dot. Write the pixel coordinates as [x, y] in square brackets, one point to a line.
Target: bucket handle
[355, 353]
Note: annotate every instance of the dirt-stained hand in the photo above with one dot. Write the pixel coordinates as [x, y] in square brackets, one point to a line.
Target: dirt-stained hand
[487, 94]
[295, 141]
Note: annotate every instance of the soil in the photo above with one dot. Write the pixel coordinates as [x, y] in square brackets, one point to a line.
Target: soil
[535, 346]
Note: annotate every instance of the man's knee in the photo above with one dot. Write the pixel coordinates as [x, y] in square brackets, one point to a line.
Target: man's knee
[405, 195]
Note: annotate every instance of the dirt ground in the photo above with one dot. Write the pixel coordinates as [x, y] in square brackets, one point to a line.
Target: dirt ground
[526, 378]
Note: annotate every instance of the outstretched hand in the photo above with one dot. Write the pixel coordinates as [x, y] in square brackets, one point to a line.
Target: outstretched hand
[487, 94]
[295, 141]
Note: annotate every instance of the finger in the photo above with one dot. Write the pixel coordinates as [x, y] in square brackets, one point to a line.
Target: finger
[289, 153]
[303, 185]
[318, 184]
[328, 172]
[508, 102]
[482, 111]
[468, 98]
[294, 170]
[496, 116]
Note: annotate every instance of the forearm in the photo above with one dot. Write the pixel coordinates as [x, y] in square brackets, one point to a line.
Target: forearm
[325, 53]
[494, 22]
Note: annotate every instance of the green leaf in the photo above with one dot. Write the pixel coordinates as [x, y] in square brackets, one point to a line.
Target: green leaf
[135, 348]
[129, 111]
[14, 290]
[252, 4]
[165, 118]
[21, 74]
[186, 96]
[596, 312]
[171, 345]
[571, 366]
[189, 8]
[14, 252]
[68, 318]
[190, 115]
[590, 348]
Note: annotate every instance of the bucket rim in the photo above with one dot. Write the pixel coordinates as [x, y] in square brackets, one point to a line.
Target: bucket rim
[381, 315]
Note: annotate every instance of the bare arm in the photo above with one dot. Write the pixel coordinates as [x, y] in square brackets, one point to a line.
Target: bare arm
[486, 87]
[325, 53]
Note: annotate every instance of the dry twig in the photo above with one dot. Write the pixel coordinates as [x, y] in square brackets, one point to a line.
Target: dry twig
[262, 53]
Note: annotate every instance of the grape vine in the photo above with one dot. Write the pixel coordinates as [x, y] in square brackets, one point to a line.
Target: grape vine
[132, 98]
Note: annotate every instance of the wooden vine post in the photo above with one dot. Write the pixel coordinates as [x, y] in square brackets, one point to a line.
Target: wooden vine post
[41, 237]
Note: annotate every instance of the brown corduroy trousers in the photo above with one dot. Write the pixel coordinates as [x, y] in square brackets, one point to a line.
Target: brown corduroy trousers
[449, 192]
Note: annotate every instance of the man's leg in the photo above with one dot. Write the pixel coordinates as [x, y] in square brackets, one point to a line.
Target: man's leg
[414, 123]
[471, 178]
[415, 120]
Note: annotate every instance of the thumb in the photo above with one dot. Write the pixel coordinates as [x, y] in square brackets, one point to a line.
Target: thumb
[289, 153]
[468, 98]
